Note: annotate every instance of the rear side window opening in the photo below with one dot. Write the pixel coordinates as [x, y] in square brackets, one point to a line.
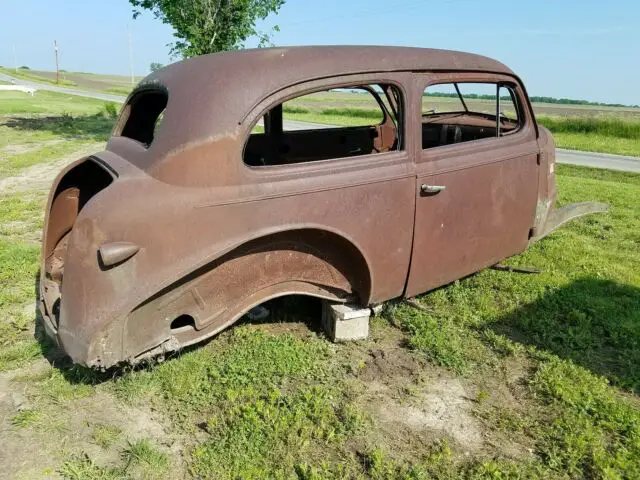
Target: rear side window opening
[142, 114]
[354, 120]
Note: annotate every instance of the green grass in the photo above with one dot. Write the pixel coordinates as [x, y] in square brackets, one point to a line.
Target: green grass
[18, 163]
[119, 90]
[39, 419]
[267, 403]
[47, 102]
[18, 266]
[350, 116]
[608, 127]
[598, 143]
[106, 435]
[140, 460]
[83, 468]
[596, 134]
[29, 140]
[145, 457]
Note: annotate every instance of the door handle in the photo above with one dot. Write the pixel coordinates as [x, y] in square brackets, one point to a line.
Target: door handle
[432, 188]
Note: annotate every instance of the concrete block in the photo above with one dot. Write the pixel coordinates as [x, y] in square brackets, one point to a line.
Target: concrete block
[345, 322]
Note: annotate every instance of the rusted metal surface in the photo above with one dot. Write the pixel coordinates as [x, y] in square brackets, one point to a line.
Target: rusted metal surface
[511, 268]
[168, 236]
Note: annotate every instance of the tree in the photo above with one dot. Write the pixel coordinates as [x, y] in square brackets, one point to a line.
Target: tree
[208, 26]
[155, 66]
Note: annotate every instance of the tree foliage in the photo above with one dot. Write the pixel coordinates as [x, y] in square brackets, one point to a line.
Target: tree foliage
[208, 26]
[155, 66]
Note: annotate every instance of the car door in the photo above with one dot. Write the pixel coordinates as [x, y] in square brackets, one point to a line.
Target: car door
[346, 176]
[476, 180]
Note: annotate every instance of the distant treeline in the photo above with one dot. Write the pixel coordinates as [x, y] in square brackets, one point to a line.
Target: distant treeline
[534, 99]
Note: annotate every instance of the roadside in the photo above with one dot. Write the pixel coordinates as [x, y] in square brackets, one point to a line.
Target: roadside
[65, 90]
[598, 160]
[578, 152]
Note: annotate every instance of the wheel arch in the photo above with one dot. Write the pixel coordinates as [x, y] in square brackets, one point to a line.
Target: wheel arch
[306, 260]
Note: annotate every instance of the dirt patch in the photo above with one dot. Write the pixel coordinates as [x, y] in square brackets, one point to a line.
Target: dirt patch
[414, 404]
[17, 149]
[68, 429]
[441, 409]
[39, 177]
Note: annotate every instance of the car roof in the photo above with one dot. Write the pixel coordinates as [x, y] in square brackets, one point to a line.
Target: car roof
[210, 95]
[292, 64]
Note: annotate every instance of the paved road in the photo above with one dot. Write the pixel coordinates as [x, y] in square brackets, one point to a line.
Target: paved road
[573, 157]
[598, 160]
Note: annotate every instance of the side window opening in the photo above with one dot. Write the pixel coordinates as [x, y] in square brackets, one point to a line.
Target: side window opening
[337, 123]
[142, 115]
[463, 112]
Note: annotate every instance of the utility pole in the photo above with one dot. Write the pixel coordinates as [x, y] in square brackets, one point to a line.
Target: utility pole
[15, 58]
[130, 55]
[55, 49]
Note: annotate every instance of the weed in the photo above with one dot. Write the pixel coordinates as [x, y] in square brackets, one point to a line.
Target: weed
[106, 435]
[110, 110]
[143, 456]
[37, 419]
[26, 418]
[83, 468]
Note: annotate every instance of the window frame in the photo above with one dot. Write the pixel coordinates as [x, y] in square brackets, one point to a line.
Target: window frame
[278, 97]
[525, 115]
[366, 88]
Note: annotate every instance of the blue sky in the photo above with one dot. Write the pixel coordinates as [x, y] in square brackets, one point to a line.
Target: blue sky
[564, 48]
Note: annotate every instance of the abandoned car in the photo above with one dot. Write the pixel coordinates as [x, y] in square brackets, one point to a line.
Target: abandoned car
[212, 196]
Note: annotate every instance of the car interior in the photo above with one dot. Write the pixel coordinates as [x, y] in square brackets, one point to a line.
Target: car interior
[455, 118]
[464, 121]
[286, 142]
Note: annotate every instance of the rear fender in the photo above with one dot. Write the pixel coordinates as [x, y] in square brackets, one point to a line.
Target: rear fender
[307, 262]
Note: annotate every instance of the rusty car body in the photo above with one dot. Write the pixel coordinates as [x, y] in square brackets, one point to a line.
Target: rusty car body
[177, 229]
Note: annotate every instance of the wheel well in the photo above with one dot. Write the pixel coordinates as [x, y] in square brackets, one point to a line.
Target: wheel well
[330, 247]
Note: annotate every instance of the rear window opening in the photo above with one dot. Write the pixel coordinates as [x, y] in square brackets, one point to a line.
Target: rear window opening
[142, 115]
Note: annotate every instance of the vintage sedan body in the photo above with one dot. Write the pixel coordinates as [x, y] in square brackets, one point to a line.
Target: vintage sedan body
[180, 226]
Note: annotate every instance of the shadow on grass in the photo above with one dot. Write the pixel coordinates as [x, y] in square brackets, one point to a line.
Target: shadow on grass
[594, 323]
[84, 127]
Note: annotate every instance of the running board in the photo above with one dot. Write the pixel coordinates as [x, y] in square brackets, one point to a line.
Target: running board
[559, 217]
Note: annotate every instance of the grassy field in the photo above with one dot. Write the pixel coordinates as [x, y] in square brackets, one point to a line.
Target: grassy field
[580, 127]
[594, 129]
[116, 84]
[25, 74]
[496, 376]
